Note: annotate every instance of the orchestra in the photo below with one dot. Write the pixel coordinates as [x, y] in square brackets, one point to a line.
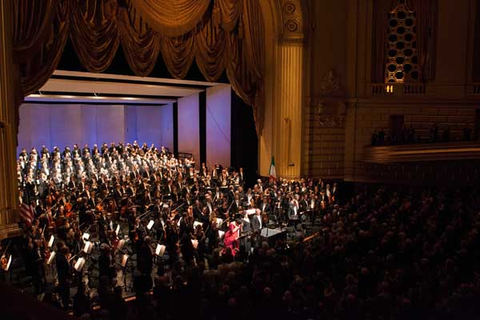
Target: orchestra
[111, 205]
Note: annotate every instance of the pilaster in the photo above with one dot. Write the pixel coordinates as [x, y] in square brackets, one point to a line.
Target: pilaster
[8, 126]
[282, 136]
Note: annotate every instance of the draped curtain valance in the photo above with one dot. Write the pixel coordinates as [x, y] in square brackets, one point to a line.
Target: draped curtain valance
[217, 34]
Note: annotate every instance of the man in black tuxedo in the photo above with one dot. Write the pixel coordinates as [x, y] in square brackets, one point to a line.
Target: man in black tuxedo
[105, 262]
[265, 205]
[303, 203]
[256, 225]
[64, 274]
[246, 229]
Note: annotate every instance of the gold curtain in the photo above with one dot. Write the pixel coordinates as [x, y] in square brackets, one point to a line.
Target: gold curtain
[29, 27]
[178, 54]
[38, 51]
[140, 43]
[219, 34]
[210, 44]
[94, 33]
[426, 35]
[253, 30]
[172, 17]
[379, 44]
[230, 11]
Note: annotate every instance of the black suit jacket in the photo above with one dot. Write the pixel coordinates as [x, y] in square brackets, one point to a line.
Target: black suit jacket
[63, 268]
[255, 224]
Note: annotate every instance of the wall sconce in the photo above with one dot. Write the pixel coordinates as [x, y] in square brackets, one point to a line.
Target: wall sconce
[389, 88]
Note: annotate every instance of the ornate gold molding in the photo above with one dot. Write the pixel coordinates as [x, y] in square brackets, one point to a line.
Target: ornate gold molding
[330, 85]
[330, 107]
[292, 21]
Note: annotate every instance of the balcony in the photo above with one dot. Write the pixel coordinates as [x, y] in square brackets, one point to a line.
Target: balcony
[422, 152]
[397, 89]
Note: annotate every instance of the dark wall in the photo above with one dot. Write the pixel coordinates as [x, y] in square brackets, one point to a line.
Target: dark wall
[244, 140]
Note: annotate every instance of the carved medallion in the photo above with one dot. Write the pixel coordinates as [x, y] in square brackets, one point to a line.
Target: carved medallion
[291, 25]
[289, 8]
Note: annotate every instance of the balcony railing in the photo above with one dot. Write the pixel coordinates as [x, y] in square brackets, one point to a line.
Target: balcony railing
[397, 89]
[422, 152]
[473, 89]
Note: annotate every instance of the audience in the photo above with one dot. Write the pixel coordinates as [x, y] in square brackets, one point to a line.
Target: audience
[409, 136]
[381, 255]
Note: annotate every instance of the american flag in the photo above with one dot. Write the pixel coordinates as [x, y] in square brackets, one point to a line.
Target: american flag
[26, 209]
[26, 212]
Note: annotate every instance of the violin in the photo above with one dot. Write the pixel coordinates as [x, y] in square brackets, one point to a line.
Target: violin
[99, 207]
[68, 210]
[4, 262]
[322, 204]
[3, 259]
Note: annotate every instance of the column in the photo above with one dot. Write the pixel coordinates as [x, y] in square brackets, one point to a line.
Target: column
[288, 116]
[8, 126]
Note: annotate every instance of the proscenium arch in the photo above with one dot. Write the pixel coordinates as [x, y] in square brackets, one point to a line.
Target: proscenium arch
[284, 30]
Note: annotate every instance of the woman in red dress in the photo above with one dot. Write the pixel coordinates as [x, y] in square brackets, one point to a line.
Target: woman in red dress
[231, 237]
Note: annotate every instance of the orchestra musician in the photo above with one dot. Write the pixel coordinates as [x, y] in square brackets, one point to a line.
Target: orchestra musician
[64, 274]
[126, 184]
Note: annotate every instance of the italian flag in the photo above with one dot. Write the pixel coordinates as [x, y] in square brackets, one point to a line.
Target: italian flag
[273, 172]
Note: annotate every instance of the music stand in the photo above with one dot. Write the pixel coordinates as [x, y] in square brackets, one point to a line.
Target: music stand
[88, 247]
[160, 250]
[120, 244]
[150, 224]
[52, 256]
[79, 264]
[50, 241]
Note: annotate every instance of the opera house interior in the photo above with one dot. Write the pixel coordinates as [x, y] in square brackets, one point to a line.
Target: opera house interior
[239, 159]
